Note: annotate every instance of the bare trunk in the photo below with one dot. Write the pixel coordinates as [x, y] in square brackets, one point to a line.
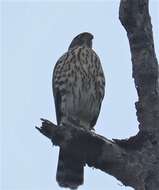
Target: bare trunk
[134, 16]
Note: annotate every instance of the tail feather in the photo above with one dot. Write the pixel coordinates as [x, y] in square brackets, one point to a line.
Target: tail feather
[70, 170]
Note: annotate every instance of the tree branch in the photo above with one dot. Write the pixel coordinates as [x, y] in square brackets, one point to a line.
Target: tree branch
[95, 150]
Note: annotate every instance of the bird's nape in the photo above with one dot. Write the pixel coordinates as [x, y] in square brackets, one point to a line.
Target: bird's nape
[82, 39]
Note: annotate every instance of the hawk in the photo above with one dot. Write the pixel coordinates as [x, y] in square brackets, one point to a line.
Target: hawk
[78, 89]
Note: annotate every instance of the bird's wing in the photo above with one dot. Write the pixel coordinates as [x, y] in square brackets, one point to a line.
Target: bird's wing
[100, 85]
[55, 85]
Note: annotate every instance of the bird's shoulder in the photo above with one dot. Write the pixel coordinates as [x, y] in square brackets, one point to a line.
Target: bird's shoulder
[60, 61]
[76, 55]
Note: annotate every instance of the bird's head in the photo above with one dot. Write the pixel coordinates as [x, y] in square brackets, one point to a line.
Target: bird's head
[83, 39]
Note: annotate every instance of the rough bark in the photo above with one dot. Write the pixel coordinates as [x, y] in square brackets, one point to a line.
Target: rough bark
[133, 161]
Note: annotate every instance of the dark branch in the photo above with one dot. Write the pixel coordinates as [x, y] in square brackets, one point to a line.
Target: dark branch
[95, 150]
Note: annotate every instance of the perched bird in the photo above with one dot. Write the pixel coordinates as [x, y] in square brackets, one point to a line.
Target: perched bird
[78, 89]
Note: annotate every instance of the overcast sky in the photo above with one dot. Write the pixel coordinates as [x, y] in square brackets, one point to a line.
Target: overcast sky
[34, 35]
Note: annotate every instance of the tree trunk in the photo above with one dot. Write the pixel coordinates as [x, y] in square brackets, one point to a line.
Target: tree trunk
[133, 161]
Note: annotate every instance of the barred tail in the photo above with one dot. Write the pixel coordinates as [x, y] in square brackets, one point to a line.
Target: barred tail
[69, 170]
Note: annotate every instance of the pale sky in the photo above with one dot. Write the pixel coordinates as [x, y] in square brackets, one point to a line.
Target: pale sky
[34, 35]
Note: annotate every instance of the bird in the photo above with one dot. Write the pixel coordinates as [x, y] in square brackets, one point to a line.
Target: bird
[78, 88]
